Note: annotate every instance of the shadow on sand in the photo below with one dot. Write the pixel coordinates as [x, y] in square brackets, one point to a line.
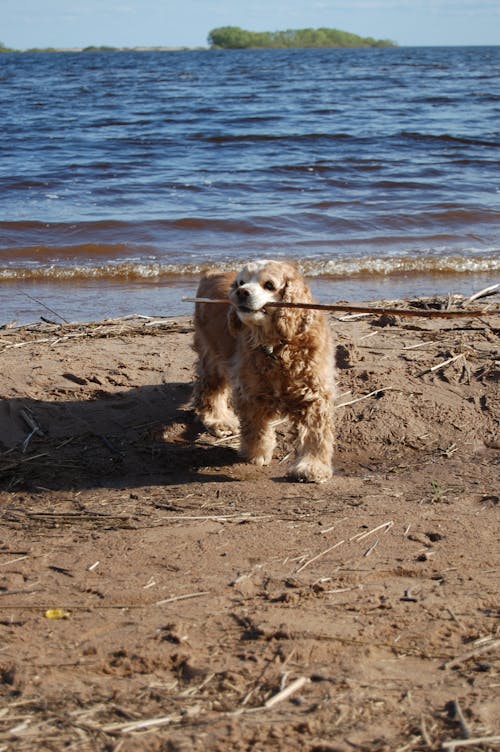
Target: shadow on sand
[143, 436]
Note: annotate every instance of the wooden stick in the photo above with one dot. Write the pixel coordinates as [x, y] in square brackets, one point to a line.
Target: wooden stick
[174, 598]
[359, 536]
[441, 365]
[461, 719]
[478, 740]
[285, 693]
[356, 309]
[318, 556]
[365, 396]
[472, 654]
[137, 725]
[51, 310]
[493, 290]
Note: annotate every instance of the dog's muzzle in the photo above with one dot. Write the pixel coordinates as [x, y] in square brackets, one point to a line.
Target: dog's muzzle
[246, 301]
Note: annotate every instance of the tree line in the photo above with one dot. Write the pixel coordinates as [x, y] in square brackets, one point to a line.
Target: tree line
[232, 37]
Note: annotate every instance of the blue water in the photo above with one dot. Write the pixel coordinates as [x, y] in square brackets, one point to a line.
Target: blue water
[122, 175]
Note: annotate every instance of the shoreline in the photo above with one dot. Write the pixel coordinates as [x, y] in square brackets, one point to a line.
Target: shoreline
[203, 48]
[27, 301]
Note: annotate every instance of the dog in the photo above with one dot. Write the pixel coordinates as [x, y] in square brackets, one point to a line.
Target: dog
[257, 364]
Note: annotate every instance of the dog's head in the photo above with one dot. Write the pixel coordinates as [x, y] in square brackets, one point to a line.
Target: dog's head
[262, 282]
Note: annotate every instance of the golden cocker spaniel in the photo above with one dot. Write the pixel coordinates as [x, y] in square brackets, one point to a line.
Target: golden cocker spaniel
[265, 363]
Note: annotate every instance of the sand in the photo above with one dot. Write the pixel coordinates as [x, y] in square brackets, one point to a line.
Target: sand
[156, 593]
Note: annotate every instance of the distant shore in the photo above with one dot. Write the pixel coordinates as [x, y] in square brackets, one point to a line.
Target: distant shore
[102, 48]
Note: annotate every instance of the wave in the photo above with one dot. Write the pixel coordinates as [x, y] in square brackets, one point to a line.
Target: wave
[47, 236]
[448, 138]
[311, 267]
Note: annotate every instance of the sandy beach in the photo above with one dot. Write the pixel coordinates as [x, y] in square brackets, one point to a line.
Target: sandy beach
[156, 593]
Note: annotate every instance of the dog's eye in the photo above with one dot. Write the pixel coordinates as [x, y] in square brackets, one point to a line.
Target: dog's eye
[240, 282]
[269, 285]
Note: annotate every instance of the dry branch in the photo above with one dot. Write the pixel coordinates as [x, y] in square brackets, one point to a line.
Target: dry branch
[365, 396]
[287, 692]
[137, 725]
[443, 364]
[461, 719]
[486, 292]
[174, 598]
[472, 654]
[318, 556]
[359, 536]
[477, 741]
[359, 309]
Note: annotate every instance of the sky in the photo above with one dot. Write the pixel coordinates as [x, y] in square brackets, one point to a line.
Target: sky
[135, 23]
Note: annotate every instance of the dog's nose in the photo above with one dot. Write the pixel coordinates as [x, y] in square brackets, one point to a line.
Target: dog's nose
[242, 293]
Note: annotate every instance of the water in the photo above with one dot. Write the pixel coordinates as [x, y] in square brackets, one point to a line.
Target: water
[123, 175]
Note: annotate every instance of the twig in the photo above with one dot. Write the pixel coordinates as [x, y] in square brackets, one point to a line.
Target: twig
[138, 725]
[425, 733]
[30, 421]
[461, 719]
[318, 556]
[332, 527]
[27, 342]
[21, 462]
[217, 517]
[284, 694]
[471, 654]
[365, 396]
[359, 536]
[454, 617]
[13, 561]
[414, 347]
[492, 290]
[371, 549]
[452, 745]
[441, 365]
[46, 307]
[181, 597]
[355, 309]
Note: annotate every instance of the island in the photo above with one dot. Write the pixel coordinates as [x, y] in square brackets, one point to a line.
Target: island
[232, 37]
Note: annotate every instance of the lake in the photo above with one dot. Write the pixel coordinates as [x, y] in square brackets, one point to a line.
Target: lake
[123, 175]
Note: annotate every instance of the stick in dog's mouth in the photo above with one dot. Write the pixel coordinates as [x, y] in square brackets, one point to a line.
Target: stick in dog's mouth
[245, 309]
[422, 313]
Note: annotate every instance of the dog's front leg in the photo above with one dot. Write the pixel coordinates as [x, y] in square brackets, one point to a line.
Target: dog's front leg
[257, 433]
[315, 443]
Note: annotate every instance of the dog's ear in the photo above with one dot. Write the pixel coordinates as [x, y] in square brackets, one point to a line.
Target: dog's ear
[292, 321]
[233, 322]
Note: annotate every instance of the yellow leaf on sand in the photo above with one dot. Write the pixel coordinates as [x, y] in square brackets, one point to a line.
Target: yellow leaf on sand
[56, 613]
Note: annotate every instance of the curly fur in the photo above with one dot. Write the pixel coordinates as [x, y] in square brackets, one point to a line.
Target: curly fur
[265, 364]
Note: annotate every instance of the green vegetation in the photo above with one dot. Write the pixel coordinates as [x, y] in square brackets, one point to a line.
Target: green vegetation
[3, 48]
[100, 48]
[232, 37]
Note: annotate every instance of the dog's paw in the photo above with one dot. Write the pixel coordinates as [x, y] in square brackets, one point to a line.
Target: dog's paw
[220, 427]
[258, 456]
[221, 430]
[310, 471]
[260, 460]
